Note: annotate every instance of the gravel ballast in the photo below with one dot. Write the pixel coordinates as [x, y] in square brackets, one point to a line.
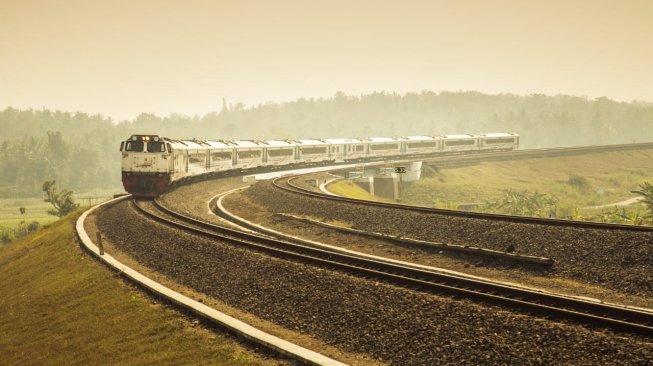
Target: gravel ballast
[617, 259]
[395, 325]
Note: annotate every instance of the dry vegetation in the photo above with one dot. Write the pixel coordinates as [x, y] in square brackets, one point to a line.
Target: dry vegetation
[349, 189]
[60, 307]
[576, 182]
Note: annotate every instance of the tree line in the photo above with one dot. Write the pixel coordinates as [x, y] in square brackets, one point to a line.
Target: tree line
[80, 151]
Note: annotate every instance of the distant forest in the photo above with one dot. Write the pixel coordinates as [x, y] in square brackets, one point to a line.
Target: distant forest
[80, 151]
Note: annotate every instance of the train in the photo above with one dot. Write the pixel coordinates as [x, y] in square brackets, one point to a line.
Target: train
[151, 163]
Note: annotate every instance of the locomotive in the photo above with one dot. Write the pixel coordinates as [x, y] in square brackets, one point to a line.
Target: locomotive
[151, 163]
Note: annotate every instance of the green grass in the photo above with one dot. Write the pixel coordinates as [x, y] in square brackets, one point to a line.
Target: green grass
[60, 307]
[37, 210]
[609, 176]
[349, 189]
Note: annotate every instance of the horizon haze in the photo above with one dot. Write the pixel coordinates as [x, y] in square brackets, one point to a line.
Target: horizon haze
[123, 58]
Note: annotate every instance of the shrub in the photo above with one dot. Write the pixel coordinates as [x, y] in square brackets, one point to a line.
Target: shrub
[578, 181]
[524, 204]
[6, 236]
[63, 201]
[33, 226]
[646, 192]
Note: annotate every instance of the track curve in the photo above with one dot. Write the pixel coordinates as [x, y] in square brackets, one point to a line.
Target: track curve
[236, 326]
[286, 183]
[544, 304]
[389, 323]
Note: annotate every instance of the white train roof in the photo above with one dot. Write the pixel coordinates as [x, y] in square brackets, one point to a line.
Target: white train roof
[382, 139]
[310, 142]
[420, 138]
[499, 134]
[343, 141]
[279, 143]
[185, 145]
[247, 143]
[458, 136]
[218, 144]
[197, 144]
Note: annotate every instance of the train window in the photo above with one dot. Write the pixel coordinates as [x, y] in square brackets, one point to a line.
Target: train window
[248, 154]
[508, 140]
[221, 155]
[460, 142]
[419, 145]
[279, 152]
[134, 146]
[197, 158]
[384, 147]
[156, 146]
[359, 147]
[313, 150]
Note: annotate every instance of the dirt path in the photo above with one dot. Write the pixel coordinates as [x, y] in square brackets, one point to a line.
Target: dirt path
[627, 202]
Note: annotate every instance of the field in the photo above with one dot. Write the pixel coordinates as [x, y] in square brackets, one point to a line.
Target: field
[578, 183]
[37, 210]
[60, 307]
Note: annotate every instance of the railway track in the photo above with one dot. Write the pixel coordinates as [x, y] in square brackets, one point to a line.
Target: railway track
[255, 336]
[590, 313]
[450, 161]
[286, 183]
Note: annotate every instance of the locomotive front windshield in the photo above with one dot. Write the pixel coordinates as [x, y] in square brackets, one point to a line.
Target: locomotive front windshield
[134, 146]
[156, 146]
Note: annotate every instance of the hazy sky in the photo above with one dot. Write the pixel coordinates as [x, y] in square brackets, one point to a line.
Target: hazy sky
[120, 58]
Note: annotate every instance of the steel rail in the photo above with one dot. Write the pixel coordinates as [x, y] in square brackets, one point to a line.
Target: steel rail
[249, 333]
[465, 249]
[293, 188]
[533, 302]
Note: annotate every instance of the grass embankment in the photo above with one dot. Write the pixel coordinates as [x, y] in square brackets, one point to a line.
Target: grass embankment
[58, 306]
[605, 178]
[349, 189]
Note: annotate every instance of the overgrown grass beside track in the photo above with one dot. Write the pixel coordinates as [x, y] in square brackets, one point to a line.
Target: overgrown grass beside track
[349, 189]
[59, 306]
[577, 182]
